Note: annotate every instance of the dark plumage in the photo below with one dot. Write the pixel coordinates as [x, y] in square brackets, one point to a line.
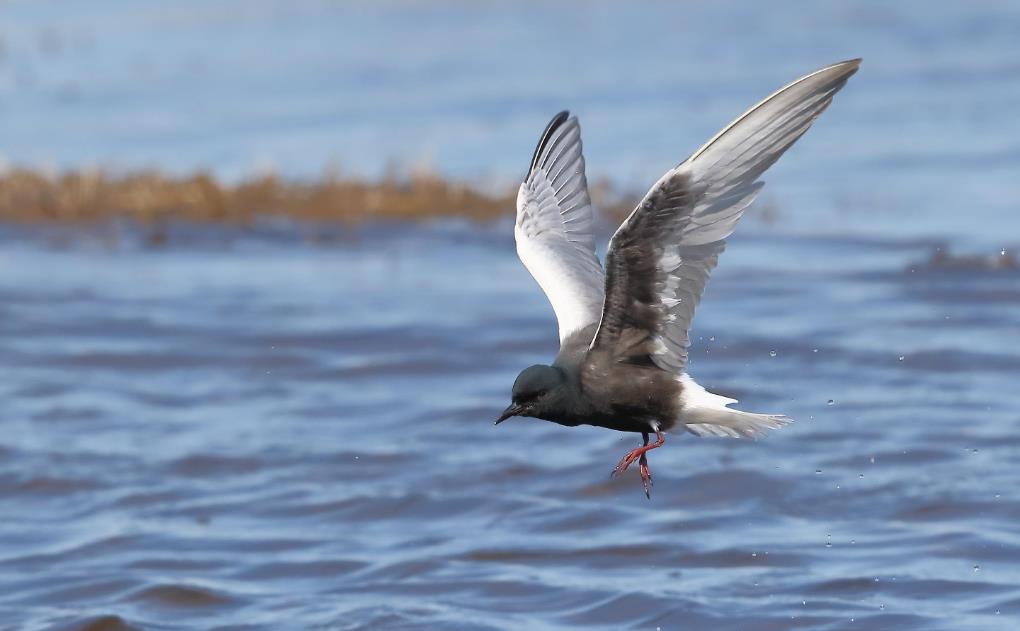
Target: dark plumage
[624, 333]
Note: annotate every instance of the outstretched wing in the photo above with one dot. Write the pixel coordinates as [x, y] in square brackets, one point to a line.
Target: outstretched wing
[660, 258]
[554, 227]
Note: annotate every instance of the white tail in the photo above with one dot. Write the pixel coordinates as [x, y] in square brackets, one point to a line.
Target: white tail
[703, 413]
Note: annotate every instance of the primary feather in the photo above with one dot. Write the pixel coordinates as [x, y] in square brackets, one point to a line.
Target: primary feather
[662, 255]
[553, 229]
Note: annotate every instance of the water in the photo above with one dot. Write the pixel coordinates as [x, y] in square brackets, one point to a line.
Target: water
[925, 140]
[284, 435]
[248, 430]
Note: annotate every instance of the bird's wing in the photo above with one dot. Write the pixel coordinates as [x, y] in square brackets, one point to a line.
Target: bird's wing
[660, 258]
[554, 228]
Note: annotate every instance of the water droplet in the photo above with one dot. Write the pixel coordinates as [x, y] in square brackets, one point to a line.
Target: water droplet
[754, 554]
[832, 402]
[814, 350]
[860, 475]
[872, 460]
[977, 568]
[881, 607]
[997, 612]
[902, 357]
[997, 496]
[853, 541]
[876, 579]
[974, 450]
[818, 472]
[772, 353]
[1002, 252]
[711, 339]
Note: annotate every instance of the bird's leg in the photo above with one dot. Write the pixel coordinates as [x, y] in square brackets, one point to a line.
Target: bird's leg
[646, 473]
[638, 453]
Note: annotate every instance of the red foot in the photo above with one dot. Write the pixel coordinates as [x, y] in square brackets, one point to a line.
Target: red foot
[638, 453]
[646, 475]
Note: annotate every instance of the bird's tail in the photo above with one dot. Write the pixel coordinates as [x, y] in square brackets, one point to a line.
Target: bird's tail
[703, 413]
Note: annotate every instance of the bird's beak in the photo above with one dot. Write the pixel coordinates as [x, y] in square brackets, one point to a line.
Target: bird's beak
[513, 410]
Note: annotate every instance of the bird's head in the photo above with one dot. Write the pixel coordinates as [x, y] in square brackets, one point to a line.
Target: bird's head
[535, 392]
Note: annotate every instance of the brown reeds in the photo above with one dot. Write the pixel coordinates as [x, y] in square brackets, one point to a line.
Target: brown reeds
[151, 197]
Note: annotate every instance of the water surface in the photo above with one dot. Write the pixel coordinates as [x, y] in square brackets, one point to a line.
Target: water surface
[925, 140]
[279, 435]
[249, 430]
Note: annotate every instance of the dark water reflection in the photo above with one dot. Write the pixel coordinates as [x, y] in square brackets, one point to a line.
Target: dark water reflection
[285, 436]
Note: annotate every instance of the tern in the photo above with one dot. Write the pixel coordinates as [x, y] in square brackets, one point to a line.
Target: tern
[624, 328]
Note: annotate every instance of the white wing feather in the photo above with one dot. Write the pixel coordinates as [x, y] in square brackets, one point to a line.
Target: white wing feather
[554, 228]
[726, 168]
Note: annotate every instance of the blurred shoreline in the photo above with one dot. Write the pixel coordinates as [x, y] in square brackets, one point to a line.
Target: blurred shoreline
[151, 197]
[156, 209]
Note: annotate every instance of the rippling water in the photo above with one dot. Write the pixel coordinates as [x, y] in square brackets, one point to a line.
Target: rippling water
[252, 432]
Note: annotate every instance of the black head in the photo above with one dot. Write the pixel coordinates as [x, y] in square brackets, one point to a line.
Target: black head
[535, 391]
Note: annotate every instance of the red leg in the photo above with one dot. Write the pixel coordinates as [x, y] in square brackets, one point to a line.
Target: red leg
[638, 453]
[646, 474]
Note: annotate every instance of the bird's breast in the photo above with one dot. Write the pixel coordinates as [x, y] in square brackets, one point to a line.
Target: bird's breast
[634, 398]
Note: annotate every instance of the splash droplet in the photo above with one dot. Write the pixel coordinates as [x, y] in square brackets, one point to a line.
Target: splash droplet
[772, 353]
[977, 568]
[831, 402]
[902, 357]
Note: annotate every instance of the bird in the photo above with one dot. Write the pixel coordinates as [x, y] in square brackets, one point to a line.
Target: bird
[624, 328]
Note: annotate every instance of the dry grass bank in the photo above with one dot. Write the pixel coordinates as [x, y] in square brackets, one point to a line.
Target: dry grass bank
[28, 196]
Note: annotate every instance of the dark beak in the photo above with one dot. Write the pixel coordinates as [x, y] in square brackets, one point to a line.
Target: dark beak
[513, 410]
